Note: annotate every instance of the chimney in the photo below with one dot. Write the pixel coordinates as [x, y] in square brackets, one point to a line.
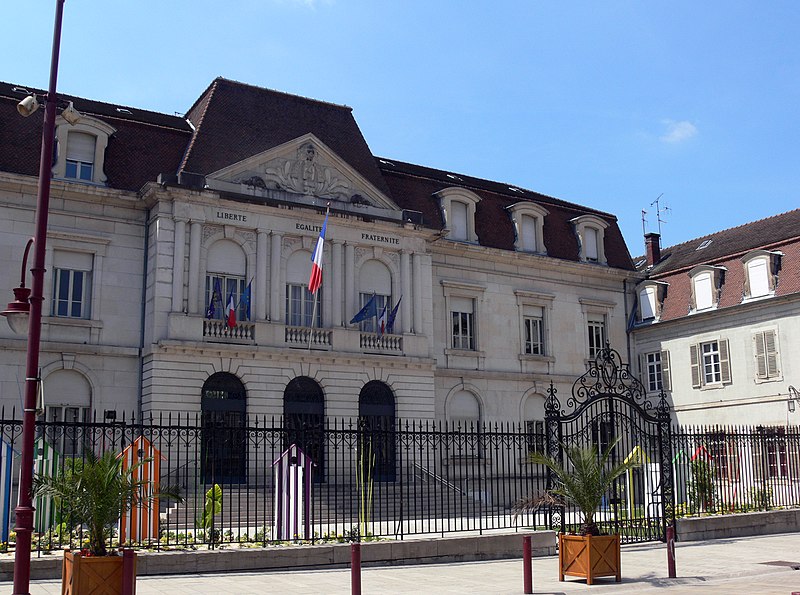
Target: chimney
[652, 243]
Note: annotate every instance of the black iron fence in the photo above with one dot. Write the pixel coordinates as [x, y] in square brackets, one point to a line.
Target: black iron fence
[358, 479]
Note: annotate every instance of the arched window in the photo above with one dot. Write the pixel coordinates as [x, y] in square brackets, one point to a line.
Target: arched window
[464, 406]
[299, 300]
[304, 421]
[374, 277]
[68, 400]
[376, 412]
[226, 277]
[224, 438]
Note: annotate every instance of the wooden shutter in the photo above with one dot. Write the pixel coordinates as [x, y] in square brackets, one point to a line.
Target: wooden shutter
[665, 379]
[80, 147]
[771, 353]
[644, 375]
[760, 353]
[724, 361]
[694, 358]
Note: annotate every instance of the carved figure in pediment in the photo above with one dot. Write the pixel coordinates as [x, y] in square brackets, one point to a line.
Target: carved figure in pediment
[304, 175]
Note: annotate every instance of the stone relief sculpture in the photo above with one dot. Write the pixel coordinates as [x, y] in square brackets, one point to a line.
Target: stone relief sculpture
[304, 175]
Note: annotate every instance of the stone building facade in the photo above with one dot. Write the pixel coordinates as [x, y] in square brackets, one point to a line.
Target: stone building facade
[158, 221]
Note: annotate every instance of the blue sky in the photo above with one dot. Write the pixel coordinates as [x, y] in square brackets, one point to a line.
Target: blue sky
[606, 104]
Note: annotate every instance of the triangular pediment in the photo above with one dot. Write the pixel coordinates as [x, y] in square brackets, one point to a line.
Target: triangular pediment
[307, 167]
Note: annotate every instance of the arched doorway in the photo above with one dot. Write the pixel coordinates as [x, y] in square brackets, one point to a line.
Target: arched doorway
[376, 413]
[224, 438]
[304, 421]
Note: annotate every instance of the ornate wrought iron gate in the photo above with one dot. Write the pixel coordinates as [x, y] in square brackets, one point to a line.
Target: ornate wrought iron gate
[609, 408]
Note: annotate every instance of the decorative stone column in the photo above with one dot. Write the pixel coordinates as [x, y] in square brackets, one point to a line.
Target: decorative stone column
[350, 289]
[275, 277]
[195, 283]
[417, 263]
[405, 284]
[336, 284]
[261, 275]
[178, 258]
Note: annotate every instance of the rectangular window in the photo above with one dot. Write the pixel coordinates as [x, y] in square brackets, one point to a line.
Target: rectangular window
[710, 363]
[535, 437]
[703, 294]
[534, 335]
[72, 284]
[63, 436]
[80, 156]
[590, 240]
[770, 459]
[597, 336]
[654, 383]
[463, 323]
[228, 285]
[300, 306]
[757, 275]
[370, 325]
[458, 224]
[712, 372]
[724, 455]
[765, 350]
[647, 303]
[528, 233]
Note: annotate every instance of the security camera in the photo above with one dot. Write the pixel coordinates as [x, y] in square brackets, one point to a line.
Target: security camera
[71, 115]
[27, 106]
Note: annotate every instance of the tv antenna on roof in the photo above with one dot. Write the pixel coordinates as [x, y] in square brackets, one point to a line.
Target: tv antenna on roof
[659, 211]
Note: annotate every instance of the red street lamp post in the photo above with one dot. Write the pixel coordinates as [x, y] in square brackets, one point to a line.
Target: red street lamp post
[24, 510]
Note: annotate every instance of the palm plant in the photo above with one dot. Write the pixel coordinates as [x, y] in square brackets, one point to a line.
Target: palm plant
[95, 492]
[583, 481]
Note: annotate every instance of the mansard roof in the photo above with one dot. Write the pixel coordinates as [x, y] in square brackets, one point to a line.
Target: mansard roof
[234, 121]
[779, 233]
[734, 241]
[144, 145]
[414, 188]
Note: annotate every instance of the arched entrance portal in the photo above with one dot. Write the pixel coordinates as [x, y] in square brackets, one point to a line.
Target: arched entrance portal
[304, 420]
[224, 440]
[376, 414]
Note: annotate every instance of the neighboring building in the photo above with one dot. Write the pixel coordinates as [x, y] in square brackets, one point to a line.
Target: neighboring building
[717, 323]
[154, 218]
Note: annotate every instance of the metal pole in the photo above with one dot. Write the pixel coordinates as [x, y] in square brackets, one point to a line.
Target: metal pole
[24, 510]
[355, 569]
[671, 551]
[527, 566]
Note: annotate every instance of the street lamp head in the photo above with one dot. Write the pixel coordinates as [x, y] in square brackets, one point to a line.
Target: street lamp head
[27, 106]
[71, 115]
[18, 311]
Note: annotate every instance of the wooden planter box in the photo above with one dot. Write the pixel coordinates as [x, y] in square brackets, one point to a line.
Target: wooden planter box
[103, 575]
[588, 556]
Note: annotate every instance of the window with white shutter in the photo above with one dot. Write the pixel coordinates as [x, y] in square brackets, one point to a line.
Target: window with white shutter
[765, 350]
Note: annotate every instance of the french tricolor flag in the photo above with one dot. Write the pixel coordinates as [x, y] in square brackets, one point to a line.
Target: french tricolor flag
[315, 280]
[231, 311]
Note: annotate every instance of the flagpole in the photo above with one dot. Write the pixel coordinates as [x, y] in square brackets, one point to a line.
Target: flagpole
[314, 309]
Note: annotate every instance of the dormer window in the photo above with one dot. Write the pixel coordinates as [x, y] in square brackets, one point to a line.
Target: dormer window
[707, 283]
[458, 213]
[651, 297]
[82, 149]
[80, 156]
[528, 221]
[761, 272]
[590, 230]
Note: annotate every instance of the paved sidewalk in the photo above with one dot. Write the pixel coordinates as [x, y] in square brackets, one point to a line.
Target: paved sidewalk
[721, 566]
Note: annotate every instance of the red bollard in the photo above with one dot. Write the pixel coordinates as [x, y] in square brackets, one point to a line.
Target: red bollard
[128, 572]
[671, 551]
[355, 568]
[527, 566]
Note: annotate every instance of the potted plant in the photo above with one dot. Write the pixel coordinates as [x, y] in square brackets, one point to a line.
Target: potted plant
[93, 493]
[582, 481]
